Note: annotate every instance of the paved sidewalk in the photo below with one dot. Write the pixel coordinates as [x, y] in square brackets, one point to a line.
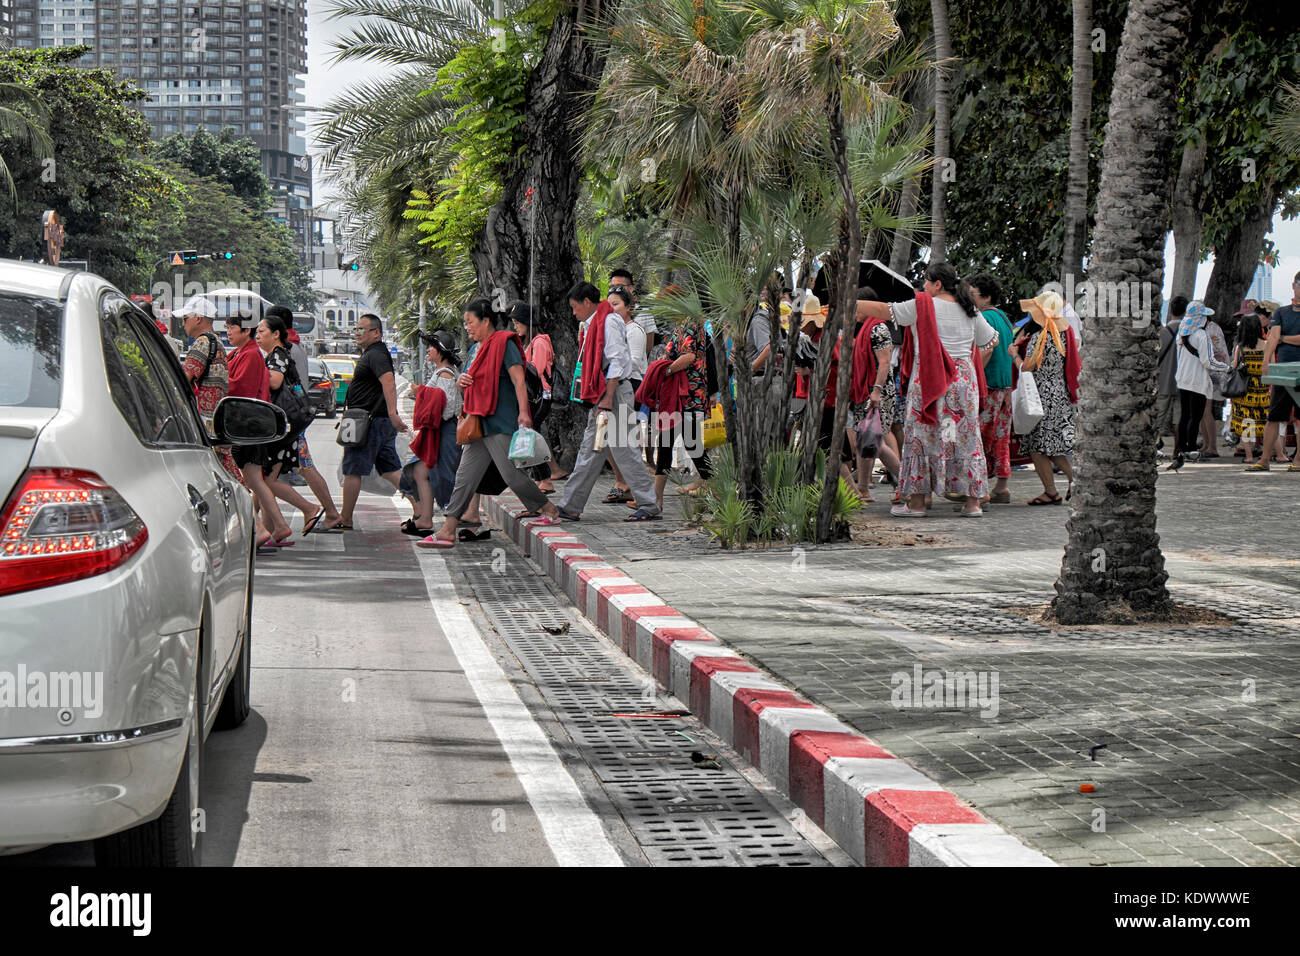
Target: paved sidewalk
[1201, 763]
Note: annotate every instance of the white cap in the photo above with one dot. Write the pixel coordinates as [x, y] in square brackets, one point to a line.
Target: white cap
[198, 305]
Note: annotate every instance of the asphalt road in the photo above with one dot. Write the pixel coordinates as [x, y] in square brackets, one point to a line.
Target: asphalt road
[393, 726]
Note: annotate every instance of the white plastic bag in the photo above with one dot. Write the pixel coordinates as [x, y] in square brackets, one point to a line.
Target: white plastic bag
[1026, 405]
[528, 448]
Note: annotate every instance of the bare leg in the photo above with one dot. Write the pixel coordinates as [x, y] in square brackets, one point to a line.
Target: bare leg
[286, 492]
[321, 490]
[661, 482]
[1043, 467]
[423, 516]
[351, 492]
[271, 517]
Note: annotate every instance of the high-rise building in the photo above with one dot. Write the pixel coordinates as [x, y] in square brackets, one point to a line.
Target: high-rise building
[206, 64]
[1261, 286]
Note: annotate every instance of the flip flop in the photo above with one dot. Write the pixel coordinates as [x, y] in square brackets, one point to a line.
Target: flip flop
[282, 543]
[545, 522]
[432, 542]
[311, 523]
[568, 517]
[265, 549]
[469, 534]
[642, 515]
[617, 497]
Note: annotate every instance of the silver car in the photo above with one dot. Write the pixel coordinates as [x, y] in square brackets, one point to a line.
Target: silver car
[126, 555]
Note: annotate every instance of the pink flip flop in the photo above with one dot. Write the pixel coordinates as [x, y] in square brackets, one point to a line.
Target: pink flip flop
[545, 521]
[281, 543]
[432, 542]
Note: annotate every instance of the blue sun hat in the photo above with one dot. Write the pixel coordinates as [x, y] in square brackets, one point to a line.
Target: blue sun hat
[1195, 316]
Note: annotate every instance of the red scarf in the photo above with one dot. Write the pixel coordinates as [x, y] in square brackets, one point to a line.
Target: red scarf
[978, 361]
[592, 387]
[864, 363]
[1073, 365]
[481, 396]
[937, 370]
[430, 403]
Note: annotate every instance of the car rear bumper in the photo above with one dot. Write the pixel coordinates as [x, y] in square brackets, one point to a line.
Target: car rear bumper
[100, 750]
[65, 789]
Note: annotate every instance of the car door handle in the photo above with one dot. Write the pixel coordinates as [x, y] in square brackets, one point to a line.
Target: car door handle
[223, 489]
[199, 505]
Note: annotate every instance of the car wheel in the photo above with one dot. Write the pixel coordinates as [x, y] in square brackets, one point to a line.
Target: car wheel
[174, 838]
[237, 702]
[332, 410]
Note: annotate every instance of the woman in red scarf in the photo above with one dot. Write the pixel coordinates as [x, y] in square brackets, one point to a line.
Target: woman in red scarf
[942, 449]
[494, 390]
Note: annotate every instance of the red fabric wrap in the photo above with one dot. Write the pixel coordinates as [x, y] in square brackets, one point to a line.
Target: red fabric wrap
[663, 392]
[481, 396]
[1073, 365]
[864, 363]
[937, 370]
[430, 403]
[592, 387]
[977, 360]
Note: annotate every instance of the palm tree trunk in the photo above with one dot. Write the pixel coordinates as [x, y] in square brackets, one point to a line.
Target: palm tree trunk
[900, 254]
[844, 294]
[1113, 567]
[1187, 215]
[1076, 193]
[565, 75]
[942, 131]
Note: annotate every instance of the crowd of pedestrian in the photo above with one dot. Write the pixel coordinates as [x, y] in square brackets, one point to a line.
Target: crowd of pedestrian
[933, 384]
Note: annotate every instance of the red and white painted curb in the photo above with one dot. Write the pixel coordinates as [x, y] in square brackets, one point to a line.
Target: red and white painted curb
[880, 810]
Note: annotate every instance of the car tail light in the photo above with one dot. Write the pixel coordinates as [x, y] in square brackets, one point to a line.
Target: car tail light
[63, 524]
[321, 384]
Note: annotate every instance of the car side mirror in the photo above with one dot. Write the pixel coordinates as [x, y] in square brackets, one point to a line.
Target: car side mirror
[248, 421]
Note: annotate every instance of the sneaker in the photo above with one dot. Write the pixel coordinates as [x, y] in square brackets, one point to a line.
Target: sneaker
[903, 511]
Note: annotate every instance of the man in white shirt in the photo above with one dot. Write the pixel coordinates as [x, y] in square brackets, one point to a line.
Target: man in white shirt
[616, 404]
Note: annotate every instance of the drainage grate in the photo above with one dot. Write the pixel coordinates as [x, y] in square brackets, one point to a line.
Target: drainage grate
[680, 813]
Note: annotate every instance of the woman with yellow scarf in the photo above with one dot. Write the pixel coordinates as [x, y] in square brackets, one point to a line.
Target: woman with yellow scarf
[1052, 354]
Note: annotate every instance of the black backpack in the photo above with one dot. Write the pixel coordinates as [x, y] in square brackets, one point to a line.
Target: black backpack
[710, 366]
[534, 387]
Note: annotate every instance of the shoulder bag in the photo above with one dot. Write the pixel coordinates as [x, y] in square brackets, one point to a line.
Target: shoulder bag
[469, 430]
[293, 401]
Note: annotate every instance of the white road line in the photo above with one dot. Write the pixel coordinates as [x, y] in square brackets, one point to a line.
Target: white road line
[571, 828]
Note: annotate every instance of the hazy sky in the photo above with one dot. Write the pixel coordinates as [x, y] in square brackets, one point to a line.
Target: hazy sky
[325, 80]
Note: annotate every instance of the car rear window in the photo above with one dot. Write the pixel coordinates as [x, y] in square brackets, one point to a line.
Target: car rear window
[346, 368]
[31, 351]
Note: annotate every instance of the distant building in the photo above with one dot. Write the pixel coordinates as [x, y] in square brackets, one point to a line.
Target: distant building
[1261, 287]
[206, 64]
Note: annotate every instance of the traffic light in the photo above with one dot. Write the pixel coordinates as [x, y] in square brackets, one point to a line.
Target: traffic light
[223, 255]
[346, 266]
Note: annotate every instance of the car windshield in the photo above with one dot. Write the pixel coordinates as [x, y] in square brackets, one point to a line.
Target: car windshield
[31, 351]
[315, 367]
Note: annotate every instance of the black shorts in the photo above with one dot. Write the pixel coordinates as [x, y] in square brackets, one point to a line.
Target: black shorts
[1281, 405]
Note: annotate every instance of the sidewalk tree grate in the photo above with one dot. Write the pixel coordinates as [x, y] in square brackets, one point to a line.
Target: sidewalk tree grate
[679, 813]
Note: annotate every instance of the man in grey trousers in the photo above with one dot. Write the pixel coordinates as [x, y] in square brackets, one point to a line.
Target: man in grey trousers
[621, 429]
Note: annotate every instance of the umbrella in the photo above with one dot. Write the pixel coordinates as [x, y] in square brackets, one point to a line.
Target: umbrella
[889, 285]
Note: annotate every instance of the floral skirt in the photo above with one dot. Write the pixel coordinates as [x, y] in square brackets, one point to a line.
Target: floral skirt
[995, 431]
[948, 456]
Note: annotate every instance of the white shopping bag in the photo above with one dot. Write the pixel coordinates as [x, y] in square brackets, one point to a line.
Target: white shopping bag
[1026, 405]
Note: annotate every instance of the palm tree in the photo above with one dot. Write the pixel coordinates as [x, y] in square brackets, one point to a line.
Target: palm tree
[1113, 566]
[1076, 191]
[24, 119]
[942, 131]
[1286, 123]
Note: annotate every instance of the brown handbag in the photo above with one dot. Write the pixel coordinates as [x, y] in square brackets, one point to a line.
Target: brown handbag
[469, 430]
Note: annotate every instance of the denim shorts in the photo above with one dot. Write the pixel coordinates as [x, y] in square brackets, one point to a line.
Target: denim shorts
[379, 452]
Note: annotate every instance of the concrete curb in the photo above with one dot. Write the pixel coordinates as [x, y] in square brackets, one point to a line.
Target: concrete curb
[880, 810]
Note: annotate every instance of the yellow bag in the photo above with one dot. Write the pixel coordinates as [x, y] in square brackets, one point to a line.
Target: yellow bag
[715, 428]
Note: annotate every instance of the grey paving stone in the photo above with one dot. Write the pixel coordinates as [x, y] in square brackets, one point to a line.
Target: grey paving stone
[1184, 751]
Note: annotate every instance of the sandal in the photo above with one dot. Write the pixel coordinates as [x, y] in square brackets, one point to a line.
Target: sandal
[568, 517]
[642, 515]
[1000, 498]
[432, 542]
[1257, 466]
[410, 527]
[469, 534]
[617, 496]
[1045, 499]
[312, 522]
